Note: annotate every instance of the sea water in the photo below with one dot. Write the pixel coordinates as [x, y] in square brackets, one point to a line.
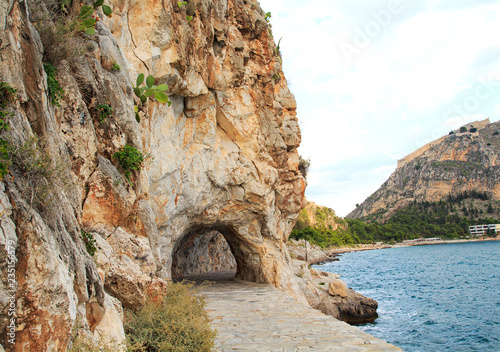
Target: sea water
[442, 297]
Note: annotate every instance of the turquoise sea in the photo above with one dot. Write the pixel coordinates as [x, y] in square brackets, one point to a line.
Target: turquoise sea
[442, 297]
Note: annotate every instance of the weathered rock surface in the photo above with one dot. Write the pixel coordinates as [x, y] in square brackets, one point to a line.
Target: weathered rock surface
[337, 288]
[326, 292]
[110, 328]
[458, 163]
[202, 253]
[126, 265]
[315, 254]
[222, 157]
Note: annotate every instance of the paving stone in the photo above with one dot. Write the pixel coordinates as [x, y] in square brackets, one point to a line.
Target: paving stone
[256, 317]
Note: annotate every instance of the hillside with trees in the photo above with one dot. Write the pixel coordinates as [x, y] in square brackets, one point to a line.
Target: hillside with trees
[448, 218]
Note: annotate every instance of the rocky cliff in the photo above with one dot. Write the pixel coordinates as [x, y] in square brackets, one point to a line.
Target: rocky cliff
[223, 157]
[460, 162]
[319, 217]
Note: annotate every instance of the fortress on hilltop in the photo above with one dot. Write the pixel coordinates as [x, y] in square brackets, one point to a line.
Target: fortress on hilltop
[479, 125]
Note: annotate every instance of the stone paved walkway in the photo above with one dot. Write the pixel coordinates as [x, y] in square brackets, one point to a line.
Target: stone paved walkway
[256, 317]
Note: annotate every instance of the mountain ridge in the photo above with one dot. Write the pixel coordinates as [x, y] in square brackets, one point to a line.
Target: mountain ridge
[458, 163]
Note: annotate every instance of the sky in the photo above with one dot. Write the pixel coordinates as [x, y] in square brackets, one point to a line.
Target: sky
[375, 80]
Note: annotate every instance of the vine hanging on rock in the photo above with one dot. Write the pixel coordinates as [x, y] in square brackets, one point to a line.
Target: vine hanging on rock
[147, 91]
[87, 19]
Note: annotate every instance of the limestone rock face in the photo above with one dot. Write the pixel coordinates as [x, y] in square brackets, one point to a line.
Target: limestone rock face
[457, 163]
[202, 253]
[110, 328]
[223, 157]
[337, 288]
[126, 265]
[324, 291]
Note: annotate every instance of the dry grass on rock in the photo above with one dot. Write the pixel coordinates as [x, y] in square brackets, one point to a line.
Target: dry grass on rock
[178, 322]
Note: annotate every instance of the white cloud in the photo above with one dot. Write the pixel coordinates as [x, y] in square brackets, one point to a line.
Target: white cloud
[409, 86]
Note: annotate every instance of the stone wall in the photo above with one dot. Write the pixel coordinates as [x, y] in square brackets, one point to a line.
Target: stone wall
[419, 152]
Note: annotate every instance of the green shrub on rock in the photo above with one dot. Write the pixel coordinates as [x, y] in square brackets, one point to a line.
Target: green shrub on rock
[4, 158]
[130, 159]
[304, 165]
[104, 111]
[147, 91]
[55, 90]
[61, 25]
[7, 97]
[87, 20]
[115, 67]
[90, 242]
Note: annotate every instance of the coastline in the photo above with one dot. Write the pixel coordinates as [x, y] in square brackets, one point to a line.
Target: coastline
[317, 255]
[426, 293]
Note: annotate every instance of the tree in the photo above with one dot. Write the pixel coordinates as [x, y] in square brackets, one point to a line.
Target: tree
[463, 129]
[304, 165]
[490, 209]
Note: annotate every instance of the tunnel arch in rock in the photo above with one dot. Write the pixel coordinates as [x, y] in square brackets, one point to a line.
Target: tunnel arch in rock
[246, 255]
[202, 253]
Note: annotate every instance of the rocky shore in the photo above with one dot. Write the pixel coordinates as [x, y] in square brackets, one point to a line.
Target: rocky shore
[326, 292]
[317, 255]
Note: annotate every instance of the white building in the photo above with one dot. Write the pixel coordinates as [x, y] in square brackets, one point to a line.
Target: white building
[433, 239]
[479, 230]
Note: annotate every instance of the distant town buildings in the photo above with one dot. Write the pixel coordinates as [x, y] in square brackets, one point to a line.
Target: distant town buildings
[434, 239]
[479, 230]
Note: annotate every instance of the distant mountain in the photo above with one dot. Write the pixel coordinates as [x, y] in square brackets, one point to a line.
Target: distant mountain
[464, 164]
